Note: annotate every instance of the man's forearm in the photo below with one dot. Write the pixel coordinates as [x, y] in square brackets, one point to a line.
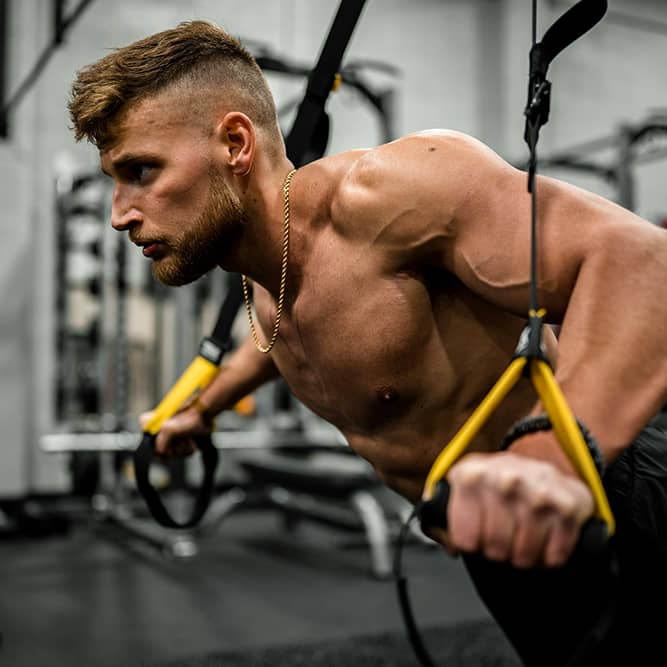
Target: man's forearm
[244, 371]
[612, 363]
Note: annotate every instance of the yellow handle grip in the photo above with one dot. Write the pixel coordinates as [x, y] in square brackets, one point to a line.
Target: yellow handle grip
[196, 377]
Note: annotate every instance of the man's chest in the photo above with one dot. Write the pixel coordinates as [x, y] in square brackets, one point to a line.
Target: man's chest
[358, 346]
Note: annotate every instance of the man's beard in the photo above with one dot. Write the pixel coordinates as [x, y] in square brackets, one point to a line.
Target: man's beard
[201, 246]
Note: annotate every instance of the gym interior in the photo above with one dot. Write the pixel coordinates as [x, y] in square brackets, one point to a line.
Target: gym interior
[291, 564]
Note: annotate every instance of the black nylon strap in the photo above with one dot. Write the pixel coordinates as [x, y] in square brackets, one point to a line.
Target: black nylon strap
[143, 456]
[222, 330]
[304, 138]
[320, 82]
[576, 21]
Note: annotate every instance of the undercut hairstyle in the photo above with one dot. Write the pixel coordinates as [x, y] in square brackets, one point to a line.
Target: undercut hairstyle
[196, 56]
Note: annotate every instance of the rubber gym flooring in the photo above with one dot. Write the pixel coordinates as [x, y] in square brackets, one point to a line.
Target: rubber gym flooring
[254, 595]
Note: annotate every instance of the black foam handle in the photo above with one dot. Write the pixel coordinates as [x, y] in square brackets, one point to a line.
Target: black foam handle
[433, 514]
[143, 456]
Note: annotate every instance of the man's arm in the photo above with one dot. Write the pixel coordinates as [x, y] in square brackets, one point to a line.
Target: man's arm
[244, 371]
[452, 202]
[602, 270]
[601, 275]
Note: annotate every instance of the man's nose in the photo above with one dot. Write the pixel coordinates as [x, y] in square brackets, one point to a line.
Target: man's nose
[124, 214]
[122, 222]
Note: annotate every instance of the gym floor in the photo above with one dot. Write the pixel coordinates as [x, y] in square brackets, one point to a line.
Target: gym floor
[95, 595]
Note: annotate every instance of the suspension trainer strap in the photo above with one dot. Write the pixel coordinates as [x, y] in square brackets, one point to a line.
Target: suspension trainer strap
[221, 334]
[202, 370]
[308, 138]
[142, 458]
[578, 20]
[574, 23]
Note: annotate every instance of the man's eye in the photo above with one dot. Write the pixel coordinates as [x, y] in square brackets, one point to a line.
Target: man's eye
[138, 172]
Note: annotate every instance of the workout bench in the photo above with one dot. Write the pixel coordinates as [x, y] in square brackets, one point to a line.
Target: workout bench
[325, 484]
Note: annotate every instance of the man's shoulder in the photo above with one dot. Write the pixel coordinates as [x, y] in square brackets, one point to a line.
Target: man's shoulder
[440, 141]
[392, 192]
[404, 170]
[412, 160]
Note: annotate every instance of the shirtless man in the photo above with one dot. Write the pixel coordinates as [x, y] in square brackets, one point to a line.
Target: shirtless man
[407, 277]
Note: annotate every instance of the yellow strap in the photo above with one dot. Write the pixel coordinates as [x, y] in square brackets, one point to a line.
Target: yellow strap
[570, 438]
[195, 378]
[473, 424]
[563, 422]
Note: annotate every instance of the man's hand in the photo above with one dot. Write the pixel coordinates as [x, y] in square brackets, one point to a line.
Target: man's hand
[513, 508]
[176, 435]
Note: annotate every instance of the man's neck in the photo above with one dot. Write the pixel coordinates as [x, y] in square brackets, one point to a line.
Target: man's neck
[259, 253]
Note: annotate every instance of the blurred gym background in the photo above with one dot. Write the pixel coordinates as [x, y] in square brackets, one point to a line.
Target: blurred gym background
[88, 340]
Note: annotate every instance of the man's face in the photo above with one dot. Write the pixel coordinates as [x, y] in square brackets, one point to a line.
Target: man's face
[202, 243]
[169, 193]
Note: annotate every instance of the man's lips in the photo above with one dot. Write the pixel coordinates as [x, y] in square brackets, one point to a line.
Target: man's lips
[150, 248]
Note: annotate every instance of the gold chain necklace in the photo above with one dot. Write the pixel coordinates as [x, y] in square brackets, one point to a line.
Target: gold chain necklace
[283, 277]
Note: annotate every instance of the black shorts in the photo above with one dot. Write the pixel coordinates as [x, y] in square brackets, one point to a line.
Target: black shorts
[607, 610]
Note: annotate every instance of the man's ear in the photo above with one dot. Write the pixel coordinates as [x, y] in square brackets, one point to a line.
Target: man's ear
[236, 134]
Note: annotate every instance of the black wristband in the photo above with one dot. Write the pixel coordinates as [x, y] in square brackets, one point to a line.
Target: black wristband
[543, 423]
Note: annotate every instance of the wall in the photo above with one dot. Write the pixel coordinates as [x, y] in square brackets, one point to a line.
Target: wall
[613, 76]
[17, 256]
[463, 65]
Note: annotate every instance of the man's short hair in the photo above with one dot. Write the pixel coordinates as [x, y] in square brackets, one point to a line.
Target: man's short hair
[195, 54]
